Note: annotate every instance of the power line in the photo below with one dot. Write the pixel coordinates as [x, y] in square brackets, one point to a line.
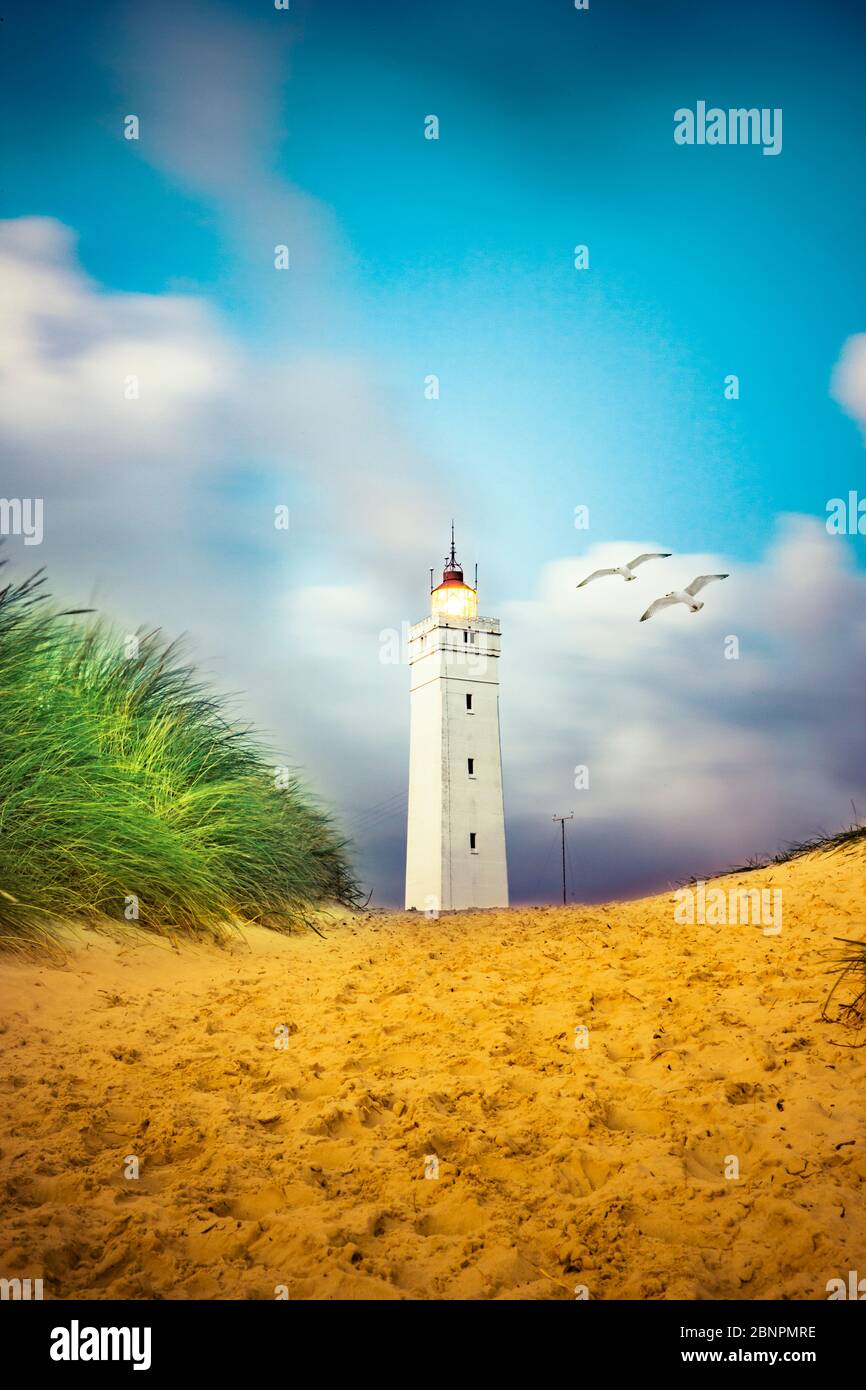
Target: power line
[542, 873]
[364, 809]
[570, 870]
[562, 820]
[366, 823]
[358, 811]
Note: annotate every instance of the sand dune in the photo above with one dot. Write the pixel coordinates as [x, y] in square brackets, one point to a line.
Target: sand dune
[303, 1166]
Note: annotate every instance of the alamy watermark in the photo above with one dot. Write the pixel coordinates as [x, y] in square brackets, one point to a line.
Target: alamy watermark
[77, 1343]
[395, 649]
[853, 1287]
[20, 1289]
[737, 126]
[714, 907]
[846, 517]
[22, 516]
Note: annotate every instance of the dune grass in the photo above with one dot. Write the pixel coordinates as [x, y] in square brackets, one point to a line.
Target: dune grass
[125, 786]
[821, 842]
[849, 957]
[849, 967]
[840, 839]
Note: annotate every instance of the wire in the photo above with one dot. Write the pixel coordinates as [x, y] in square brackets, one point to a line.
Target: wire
[570, 873]
[553, 844]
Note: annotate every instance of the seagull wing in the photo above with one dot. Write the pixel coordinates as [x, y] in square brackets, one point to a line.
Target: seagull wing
[660, 603]
[701, 583]
[651, 555]
[596, 574]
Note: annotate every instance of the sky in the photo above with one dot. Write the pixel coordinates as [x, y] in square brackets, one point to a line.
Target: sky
[605, 387]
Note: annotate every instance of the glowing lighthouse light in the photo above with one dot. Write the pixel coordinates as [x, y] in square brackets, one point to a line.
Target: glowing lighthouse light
[452, 598]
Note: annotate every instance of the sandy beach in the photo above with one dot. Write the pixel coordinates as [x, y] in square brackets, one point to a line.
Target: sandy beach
[406, 1044]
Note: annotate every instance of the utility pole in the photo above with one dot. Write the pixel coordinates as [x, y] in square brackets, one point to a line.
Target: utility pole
[562, 820]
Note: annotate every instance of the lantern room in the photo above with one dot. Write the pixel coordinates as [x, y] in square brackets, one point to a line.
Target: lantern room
[453, 598]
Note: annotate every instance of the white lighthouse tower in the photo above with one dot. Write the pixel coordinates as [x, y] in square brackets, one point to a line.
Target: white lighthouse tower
[455, 850]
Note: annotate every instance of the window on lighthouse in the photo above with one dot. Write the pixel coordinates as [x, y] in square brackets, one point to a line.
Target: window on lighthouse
[472, 846]
[470, 763]
[468, 701]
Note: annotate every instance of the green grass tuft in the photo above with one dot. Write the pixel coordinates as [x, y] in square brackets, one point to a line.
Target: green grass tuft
[122, 777]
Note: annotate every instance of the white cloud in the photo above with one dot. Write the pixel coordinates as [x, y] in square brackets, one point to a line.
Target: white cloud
[848, 385]
[67, 350]
[695, 760]
[213, 97]
[206, 408]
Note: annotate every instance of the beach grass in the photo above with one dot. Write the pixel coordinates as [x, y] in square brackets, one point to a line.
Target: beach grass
[126, 788]
[823, 842]
[849, 967]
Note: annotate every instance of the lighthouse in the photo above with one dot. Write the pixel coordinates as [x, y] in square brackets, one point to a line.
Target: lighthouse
[455, 846]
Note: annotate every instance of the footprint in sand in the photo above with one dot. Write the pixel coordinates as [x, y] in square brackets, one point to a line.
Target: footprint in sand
[644, 1119]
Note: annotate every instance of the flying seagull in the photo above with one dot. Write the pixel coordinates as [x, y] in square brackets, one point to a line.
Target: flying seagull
[686, 596]
[626, 570]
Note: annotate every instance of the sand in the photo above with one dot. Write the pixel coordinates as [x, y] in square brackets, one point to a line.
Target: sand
[299, 1171]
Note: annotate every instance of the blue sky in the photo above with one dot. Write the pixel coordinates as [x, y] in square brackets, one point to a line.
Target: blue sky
[558, 387]
[455, 256]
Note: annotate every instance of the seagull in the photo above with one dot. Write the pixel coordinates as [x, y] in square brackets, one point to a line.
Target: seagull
[686, 596]
[626, 570]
